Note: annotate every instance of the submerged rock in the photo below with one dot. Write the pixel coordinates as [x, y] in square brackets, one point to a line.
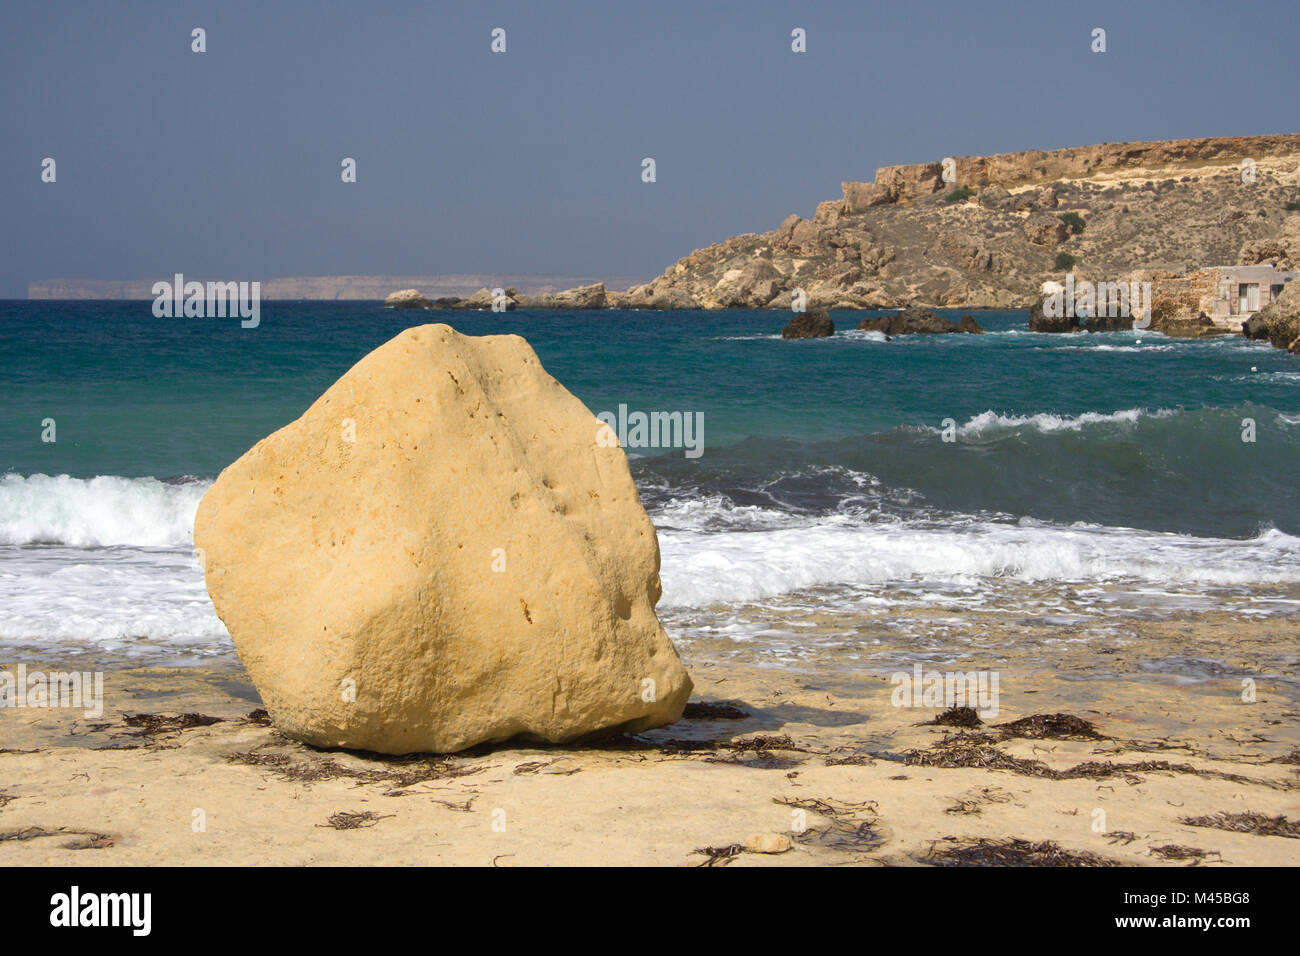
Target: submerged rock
[917, 321]
[443, 550]
[809, 325]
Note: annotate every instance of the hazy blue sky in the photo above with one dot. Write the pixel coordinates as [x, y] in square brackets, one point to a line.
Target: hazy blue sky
[226, 164]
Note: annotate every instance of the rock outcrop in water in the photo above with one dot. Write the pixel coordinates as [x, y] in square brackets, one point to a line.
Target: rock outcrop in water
[583, 297]
[441, 551]
[1279, 321]
[407, 299]
[809, 325]
[1040, 321]
[917, 321]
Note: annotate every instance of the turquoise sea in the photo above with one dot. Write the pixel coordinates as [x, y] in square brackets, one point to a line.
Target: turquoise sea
[1111, 464]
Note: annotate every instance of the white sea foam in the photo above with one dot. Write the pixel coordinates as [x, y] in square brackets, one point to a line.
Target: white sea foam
[1111, 348]
[121, 599]
[97, 512]
[866, 335]
[990, 422]
[108, 562]
[705, 569]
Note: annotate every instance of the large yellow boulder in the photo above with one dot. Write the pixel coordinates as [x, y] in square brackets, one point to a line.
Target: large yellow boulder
[445, 549]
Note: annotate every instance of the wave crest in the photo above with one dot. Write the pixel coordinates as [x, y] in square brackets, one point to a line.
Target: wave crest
[98, 512]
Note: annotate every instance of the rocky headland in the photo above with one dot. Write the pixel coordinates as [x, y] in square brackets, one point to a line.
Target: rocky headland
[1005, 224]
[989, 231]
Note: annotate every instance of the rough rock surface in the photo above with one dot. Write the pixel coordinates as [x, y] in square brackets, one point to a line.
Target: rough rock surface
[441, 551]
[1281, 319]
[917, 321]
[768, 843]
[1040, 321]
[584, 297]
[1112, 208]
[1282, 251]
[1255, 327]
[809, 325]
[407, 299]
[1111, 323]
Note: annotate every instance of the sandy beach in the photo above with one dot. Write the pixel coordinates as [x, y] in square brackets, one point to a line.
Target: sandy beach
[811, 760]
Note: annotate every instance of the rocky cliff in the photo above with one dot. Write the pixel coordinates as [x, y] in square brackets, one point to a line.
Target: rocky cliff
[1004, 224]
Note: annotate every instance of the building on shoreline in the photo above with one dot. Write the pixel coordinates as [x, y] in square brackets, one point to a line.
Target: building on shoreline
[1238, 292]
[1226, 295]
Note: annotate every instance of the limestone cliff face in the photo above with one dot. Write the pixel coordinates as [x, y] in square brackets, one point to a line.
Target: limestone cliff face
[895, 184]
[1004, 225]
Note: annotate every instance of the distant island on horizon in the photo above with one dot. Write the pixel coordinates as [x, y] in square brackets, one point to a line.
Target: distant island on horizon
[327, 288]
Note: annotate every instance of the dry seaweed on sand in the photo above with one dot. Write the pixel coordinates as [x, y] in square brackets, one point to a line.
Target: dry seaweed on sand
[465, 807]
[683, 746]
[89, 839]
[763, 752]
[1129, 772]
[1255, 823]
[668, 746]
[703, 710]
[764, 742]
[851, 760]
[962, 739]
[259, 717]
[312, 770]
[955, 717]
[827, 807]
[1292, 757]
[534, 766]
[151, 724]
[974, 802]
[1175, 851]
[1124, 837]
[348, 820]
[852, 825]
[962, 749]
[25, 833]
[720, 855]
[971, 750]
[1009, 852]
[1042, 726]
